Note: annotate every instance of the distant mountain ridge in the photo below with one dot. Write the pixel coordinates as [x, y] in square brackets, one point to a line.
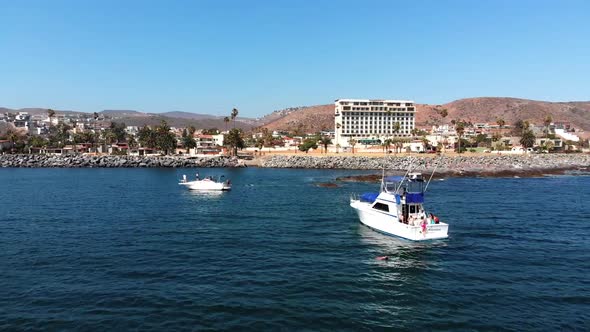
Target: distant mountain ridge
[481, 109]
[138, 118]
[321, 117]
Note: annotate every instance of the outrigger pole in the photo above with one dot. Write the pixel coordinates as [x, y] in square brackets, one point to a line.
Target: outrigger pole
[405, 175]
[434, 170]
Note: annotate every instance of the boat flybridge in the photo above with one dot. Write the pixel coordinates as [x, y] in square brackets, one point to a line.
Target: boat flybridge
[398, 209]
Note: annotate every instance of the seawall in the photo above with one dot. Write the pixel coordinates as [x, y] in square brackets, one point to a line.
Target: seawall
[76, 161]
[446, 164]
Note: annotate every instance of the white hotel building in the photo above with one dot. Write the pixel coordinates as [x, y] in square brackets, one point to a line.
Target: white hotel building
[366, 120]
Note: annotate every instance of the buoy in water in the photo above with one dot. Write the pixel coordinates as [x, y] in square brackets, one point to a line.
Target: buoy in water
[382, 258]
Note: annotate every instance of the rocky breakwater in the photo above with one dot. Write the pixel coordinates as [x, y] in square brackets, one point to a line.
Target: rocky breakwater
[446, 165]
[115, 161]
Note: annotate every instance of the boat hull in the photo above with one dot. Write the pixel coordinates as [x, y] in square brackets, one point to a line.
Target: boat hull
[388, 224]
[207, 185]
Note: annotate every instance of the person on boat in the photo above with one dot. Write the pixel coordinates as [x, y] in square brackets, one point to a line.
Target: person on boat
[183, 178]
[401, 218]
[423, 224]
[436, 221]
[431, 218]
[197, 176]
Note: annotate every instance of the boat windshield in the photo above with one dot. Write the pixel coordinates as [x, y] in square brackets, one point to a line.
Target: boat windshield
[407, 185]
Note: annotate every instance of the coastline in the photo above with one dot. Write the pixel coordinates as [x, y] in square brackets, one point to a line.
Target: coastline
[446, 166]
[111, 161]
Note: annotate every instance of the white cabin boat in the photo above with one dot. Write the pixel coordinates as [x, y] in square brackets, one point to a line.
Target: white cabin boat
[398, 210]
[208, 183]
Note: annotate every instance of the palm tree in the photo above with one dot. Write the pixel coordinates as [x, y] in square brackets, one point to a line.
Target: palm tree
[234, 115]
[226, 120]
[527, 139]
[325, 141]
[50, 114]
[191, 130]
[13, 138]
[396, 127]
[387, 143]
[424, 142]
[352, 143]
[460, 130]
[234, 140]
[547, 122]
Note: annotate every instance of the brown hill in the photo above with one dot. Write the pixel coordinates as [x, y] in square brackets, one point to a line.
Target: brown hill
[489, 109]
[303, 119]
[484, 109]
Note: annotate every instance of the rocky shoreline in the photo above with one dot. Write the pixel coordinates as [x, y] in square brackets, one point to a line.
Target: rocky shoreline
[78, 161]
[467, 166]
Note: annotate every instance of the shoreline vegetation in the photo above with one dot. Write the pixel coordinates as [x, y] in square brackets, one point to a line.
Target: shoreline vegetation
[446, 166]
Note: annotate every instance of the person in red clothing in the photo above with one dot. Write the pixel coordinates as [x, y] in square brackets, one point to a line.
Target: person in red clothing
[436, 221]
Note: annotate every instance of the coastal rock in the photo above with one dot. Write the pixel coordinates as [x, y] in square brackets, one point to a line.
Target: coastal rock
[57, 161]
[448, 166]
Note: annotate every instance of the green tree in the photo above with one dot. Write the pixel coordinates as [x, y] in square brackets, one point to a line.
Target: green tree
[425, 143]
[500, 122]
[147, 137]
[226, 120]
[387, 144]
[527, 139]
[548, 145]
[308, 143]
[191, 131]
[352, 142]
[165, 140]
[460, 130]
[395, 128]
[547, 122]
[14, 138]
[36, 141]
[188, 142]
[50, 114]
[59, 135]
[78, 138]
[131, 141]
[234, 115]
[117, 132]
[210, 131]
[234, 140]
[325, 141]
[519, 127]
[481, 140]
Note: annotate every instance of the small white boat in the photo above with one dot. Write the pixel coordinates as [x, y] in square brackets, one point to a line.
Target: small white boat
[207, 183]
[398, 209]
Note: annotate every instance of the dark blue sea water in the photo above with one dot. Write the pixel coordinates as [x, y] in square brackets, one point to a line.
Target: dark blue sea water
[129, 249]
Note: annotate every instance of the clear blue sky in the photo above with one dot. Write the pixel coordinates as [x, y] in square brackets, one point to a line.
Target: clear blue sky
[259, 56]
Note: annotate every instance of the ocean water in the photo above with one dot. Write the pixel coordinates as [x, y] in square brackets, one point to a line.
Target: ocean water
[129, 249]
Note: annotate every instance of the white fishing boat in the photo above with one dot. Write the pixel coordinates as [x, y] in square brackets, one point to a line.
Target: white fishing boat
[398, 209]
[208, 183]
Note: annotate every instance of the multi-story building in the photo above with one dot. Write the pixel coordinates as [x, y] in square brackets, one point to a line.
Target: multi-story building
[372, 121]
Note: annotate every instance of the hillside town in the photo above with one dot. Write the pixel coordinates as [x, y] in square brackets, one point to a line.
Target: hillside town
[360, 126]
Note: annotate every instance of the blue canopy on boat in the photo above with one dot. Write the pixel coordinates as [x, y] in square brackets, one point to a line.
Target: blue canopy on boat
[414, 198]
[369, 197]
[395, 178]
